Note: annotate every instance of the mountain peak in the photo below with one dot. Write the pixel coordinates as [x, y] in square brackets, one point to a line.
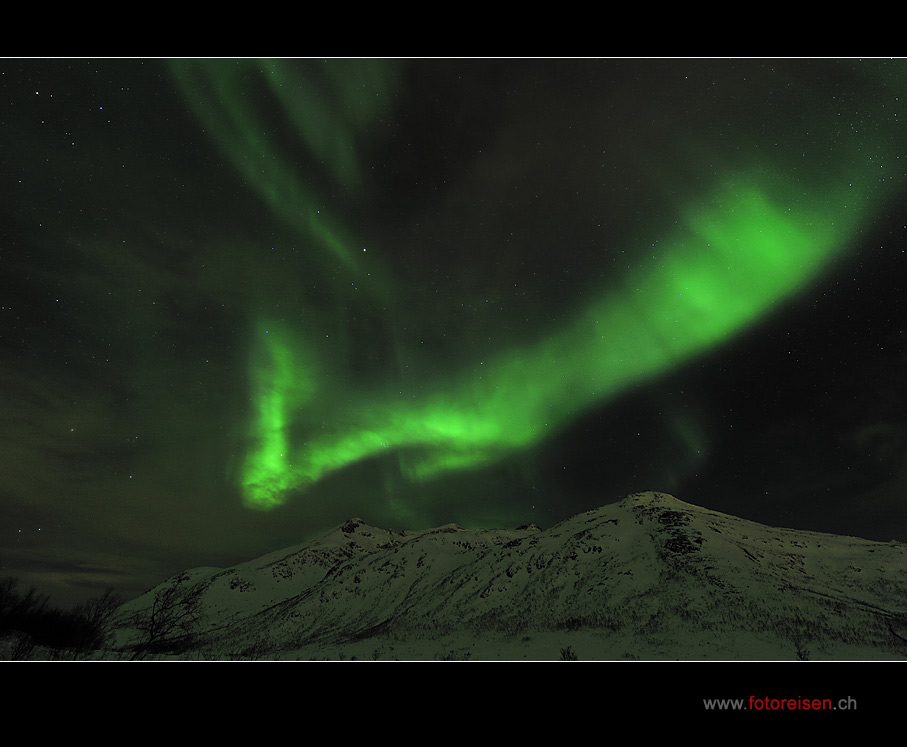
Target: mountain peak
[651, 497]
[351, 525]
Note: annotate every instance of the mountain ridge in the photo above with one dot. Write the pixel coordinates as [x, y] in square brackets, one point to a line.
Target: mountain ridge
[649, 576]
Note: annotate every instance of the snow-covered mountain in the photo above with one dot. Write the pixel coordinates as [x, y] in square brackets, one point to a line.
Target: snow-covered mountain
[650, 577]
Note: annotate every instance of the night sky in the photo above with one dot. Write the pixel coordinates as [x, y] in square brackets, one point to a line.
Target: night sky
[242, 301]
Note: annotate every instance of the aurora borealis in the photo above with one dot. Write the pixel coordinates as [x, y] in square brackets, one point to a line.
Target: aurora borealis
[750, 254]
[244, 300]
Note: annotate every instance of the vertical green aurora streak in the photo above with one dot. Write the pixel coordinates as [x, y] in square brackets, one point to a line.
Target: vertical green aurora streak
[754, 240]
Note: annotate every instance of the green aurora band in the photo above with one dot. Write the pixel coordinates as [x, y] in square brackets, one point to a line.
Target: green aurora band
[732, 260]
[753, 242]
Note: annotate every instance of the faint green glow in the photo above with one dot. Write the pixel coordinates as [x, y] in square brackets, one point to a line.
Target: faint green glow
[325, 107]
[727, 263]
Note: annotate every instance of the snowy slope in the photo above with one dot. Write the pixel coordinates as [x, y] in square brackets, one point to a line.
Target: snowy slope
[650, 577]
